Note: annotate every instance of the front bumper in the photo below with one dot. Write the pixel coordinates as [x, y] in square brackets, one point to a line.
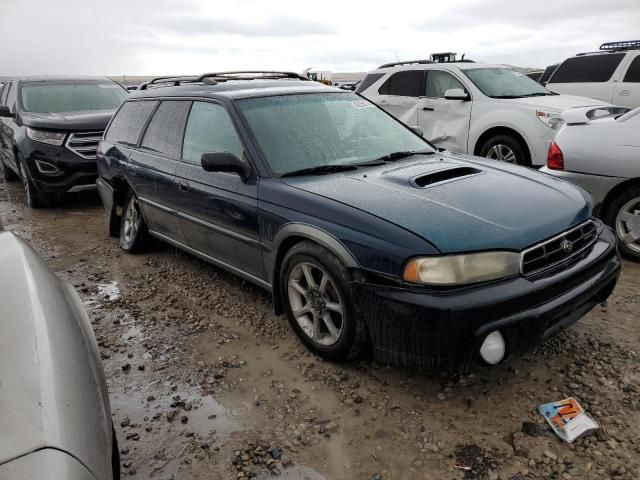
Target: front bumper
[597, 185]
[444, 329]
[74, 173]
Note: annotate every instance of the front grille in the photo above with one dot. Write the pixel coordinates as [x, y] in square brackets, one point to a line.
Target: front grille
[558, 250]
[84, 144]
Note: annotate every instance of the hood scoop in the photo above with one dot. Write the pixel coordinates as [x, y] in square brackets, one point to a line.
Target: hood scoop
[442, 176]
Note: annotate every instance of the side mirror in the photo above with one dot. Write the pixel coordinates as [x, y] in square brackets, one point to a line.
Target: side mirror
[417, 130]
[457, 94]
[225, 162]
[6, 112]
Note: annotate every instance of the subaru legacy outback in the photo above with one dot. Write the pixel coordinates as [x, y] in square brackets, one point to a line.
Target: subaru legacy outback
[363, 231]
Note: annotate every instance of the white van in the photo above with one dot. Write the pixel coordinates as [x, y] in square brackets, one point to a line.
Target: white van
[467, 107]
[611, 74]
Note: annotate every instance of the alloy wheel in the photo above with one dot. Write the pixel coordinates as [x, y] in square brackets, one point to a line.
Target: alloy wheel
[502, 153]
[131, 221]
[316, 303]
[628, 224]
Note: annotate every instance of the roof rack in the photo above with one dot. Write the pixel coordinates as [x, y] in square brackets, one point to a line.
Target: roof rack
[617, 46]
[175, 80]
[408, 62]
[216, 77]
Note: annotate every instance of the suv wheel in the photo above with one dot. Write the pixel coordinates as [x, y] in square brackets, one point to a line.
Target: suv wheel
[319, 302]
[35, 198]
[505, 148]
[623, 215]
[133, 229]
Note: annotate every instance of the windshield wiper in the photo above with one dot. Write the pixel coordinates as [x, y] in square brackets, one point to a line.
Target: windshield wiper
[320, 170]
[397, 155]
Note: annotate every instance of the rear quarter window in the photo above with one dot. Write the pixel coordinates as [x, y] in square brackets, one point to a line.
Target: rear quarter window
[588, 68]
[129, 121]
[368, 81]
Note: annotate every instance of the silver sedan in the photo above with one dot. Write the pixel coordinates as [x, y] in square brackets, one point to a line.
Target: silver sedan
[599, 149]
[55, 419]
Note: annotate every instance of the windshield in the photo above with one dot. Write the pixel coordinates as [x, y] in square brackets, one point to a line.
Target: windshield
[505, 83]
[296, 132]
[71, 97]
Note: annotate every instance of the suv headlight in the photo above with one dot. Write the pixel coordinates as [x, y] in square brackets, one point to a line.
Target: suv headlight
[462, 269]
[44, 136]
[553, 120]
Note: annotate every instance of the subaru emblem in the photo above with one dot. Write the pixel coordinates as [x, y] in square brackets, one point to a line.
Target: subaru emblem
[567, 246]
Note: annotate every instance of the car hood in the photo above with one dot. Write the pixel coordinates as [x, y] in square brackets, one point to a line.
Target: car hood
[68, 121]
[558, 102]
[52, 388]
[473, 204]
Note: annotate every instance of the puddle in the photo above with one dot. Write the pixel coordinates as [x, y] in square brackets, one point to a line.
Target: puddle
[239, 410]
[132, 332]
[206, 415]
[297, 472]
[109, 291]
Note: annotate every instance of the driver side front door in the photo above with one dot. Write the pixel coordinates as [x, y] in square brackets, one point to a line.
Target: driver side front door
[445, 123]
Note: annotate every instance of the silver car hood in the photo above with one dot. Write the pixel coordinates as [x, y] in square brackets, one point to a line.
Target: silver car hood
[52, 388]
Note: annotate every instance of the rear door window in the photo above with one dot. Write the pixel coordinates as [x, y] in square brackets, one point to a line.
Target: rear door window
[128, 123]
[165, 130]
[209, 130]
[368, 81]
[408, 83]
[633, 73]
[588, 68]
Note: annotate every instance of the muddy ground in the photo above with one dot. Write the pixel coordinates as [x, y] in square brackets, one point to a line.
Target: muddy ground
[206, 382]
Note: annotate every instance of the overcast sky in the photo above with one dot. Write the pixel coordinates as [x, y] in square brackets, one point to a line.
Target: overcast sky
[145, 37]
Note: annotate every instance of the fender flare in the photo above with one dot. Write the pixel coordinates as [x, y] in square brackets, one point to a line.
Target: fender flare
[307, 232]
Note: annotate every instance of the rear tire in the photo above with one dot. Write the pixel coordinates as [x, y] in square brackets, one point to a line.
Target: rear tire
[623, 215]
[315, 285]
[35, 198]
[505, 148]
[133, 229]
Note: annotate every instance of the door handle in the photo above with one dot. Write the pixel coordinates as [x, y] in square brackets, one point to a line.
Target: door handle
[625, 93]
[184, 186]
[428, 109]
[133, 170]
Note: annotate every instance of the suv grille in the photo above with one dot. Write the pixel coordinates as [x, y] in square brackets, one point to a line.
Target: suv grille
[84, 144]
[559, 249]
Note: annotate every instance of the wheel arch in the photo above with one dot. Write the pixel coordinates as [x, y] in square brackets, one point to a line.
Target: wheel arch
[501, 130]
[614, 193]
[292, 234]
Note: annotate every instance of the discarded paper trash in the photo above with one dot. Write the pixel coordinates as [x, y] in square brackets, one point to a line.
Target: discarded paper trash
[568, 419]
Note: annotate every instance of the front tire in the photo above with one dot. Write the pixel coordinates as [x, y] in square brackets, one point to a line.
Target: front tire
[34, 197]
[505, 148]
[133, 229]
[623, 215]
[319, 302]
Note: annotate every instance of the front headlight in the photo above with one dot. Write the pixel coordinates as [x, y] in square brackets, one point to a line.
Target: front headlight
[44, 136]
[462, 269]
[553, 120]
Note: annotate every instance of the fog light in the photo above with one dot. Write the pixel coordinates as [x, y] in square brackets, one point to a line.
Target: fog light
[46, 167]
[493, 348]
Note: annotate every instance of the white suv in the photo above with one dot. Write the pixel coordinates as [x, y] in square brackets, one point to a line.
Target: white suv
[467, 107]
[611, 75]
